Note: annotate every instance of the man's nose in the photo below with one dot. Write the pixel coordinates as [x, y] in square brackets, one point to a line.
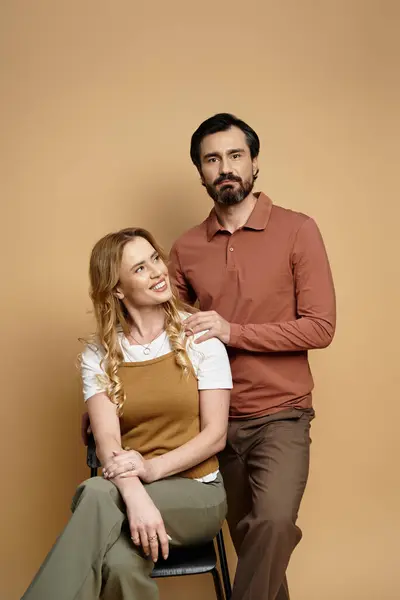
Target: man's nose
[224, 166]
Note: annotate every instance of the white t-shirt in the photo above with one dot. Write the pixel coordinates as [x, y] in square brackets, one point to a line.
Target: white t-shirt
[209, 359]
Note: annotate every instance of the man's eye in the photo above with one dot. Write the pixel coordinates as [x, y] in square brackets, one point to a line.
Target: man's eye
[213, 159]
[236, 156]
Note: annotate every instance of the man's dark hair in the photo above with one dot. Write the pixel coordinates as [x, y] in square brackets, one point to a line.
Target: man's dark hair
[222, 122]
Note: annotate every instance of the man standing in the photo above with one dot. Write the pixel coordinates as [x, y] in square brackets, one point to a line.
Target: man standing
[262, 279]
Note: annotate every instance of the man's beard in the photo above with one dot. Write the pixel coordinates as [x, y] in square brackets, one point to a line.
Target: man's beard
[227, 194]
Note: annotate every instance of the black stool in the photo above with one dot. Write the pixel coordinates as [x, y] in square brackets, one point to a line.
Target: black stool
[190, 560]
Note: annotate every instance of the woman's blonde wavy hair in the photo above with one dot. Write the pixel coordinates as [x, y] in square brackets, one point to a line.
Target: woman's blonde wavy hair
[112, 316]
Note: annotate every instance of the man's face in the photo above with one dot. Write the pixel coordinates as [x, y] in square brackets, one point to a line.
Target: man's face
[227, 169]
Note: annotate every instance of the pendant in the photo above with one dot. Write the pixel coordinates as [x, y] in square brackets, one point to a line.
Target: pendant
[146, 351]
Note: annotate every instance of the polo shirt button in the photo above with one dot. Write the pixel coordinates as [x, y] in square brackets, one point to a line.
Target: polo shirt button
[230, 249]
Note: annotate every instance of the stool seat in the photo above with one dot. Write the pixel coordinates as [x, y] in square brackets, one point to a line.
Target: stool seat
[188, 560]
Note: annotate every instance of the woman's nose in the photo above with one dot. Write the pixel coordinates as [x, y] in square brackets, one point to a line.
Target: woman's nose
[156, 271]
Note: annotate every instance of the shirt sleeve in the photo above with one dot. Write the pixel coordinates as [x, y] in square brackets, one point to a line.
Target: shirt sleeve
[185, 291]
[94, 378]
[316, 305]
[213, 368]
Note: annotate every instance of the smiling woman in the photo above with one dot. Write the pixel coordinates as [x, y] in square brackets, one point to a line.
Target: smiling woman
[158, 406]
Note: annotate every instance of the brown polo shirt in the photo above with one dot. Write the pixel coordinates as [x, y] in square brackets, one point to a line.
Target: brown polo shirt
[272, 281]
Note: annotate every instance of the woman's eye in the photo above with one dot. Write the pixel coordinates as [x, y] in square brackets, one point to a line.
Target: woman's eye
[156, 258]
[139, 269]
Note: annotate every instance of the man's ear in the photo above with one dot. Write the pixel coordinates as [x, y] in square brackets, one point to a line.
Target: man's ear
[201, 178]
[255, 167]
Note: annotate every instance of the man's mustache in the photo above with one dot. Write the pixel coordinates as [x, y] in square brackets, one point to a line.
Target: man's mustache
[227, 177]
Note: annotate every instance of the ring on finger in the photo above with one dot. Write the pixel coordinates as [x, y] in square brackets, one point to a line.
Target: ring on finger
[132, 465]
[152, 538]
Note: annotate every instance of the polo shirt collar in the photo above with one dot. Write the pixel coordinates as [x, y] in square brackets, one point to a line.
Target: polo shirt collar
[257, 221]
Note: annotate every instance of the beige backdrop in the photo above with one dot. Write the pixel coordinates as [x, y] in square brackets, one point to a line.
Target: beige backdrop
[99, 100]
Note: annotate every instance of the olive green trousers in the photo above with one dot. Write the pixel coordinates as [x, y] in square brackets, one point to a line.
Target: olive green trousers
[94, 557]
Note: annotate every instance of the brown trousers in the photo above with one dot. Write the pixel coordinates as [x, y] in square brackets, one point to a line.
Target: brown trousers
[265, 468]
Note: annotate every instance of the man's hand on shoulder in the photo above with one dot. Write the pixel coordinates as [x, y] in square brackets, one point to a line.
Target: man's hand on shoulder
[211, 321]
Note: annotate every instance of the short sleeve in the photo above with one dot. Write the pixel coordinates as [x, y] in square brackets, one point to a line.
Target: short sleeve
[94, 378]
[213, 368]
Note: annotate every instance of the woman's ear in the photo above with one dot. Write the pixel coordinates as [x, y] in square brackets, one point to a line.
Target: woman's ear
[120, 295]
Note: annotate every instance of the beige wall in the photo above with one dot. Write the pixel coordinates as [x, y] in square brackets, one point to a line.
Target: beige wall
[98, 103]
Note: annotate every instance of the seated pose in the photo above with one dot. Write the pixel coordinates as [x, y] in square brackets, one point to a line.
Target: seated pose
[158, 407]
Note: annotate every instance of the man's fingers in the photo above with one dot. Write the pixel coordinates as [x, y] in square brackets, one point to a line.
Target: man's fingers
[200, 318]
[206, 336]
[197, 319]
[200, 313]
[199, 328]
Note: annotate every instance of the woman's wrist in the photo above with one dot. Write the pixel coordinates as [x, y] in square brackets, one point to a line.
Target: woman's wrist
[128, 487]
[153, 471]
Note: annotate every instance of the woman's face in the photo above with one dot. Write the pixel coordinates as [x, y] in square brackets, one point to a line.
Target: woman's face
[143, 278]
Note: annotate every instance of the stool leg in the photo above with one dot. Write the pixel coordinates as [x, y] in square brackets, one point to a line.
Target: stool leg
[217, 584]
[224, 566]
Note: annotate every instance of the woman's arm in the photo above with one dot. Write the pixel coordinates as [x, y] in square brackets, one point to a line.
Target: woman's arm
[104, 423]
[144, 518]
[214, 408]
